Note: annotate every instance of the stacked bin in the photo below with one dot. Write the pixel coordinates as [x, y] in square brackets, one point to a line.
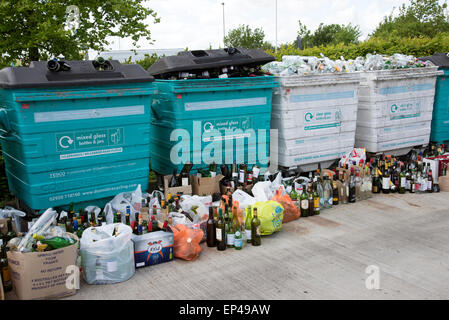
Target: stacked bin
[440, 118]
[315, 116]
[77, 135]
[221, 120]
[395, 109]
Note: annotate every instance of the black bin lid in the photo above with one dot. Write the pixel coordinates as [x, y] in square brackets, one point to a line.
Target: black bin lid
[438, 59]
[81, 73]
[209, 59]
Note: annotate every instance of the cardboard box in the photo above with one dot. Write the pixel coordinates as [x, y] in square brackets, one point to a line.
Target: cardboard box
[42, 275]
[206, 185]
[175, 190]
[153, 248]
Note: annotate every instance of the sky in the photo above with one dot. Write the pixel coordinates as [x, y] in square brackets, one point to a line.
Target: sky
[197, 24]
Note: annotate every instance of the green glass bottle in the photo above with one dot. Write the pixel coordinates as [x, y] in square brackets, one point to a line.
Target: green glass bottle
[221, 231]
[248, 219]
[238, 241]
[57, 242]
[230, 228]
[5, 271]
[255, 229]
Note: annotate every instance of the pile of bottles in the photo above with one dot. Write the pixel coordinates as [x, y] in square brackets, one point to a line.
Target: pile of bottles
[412, 174]
[183, 179]
[322, 190]
[222, 72]
[303, 65]
[44, 235]
[229, 226]
[240, 176]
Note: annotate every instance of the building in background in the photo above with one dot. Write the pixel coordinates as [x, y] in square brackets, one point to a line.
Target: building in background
[123, 55]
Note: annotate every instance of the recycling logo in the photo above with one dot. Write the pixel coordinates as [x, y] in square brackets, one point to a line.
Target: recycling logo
[308, 117]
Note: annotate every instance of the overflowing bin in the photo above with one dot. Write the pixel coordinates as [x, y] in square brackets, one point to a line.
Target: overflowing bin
[74, 131]
[203, 120]
[395, 109]
[315, 116]
[440, 118]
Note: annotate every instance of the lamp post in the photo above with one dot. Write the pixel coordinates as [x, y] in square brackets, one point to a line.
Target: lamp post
[276, 43]
[224, 32]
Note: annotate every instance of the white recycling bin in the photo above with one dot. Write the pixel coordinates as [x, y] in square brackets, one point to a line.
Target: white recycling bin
[315, 116]
[395, 109]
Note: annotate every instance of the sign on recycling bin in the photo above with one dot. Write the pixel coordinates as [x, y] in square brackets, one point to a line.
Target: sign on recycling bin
[404, 110]
[68, 141]
[320, 119]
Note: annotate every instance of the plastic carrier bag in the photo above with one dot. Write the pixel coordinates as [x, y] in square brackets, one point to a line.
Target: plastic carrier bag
[186, 242]
[121, 201]
[270, 214]
[262, 191]
[291, 212]
[105, 258]
[243, 198]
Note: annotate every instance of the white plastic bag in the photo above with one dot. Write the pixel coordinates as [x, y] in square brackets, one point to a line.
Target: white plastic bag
[14, 214]
[121, 201]
[243, 198]
[262, 191]
[202, 204]
[106, 258]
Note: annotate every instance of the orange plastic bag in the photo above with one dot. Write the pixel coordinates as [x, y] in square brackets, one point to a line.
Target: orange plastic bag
[186, 242]
[291, 212]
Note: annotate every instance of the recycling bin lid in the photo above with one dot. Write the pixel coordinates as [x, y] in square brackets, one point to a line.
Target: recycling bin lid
[79, 73]
[209, 59]
[438, 59]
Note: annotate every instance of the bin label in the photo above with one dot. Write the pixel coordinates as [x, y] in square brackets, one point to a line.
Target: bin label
[52, 116]
[230, 103]
[69, 141]
[231, 124]
[404, 109]
[321, 119]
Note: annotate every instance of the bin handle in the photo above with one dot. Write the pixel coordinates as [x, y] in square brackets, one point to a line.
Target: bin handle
[5, 126]
[155, 102]
[12, 138]
[4, 122]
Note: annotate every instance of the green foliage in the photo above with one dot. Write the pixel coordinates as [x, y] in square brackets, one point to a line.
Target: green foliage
[36, 30]
[418, 47]
[245, 37]
[330, 34]
[422, 18]
[148, 60]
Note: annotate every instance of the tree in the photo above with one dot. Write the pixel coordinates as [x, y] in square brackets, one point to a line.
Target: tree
[245, 37]
[35, 30]
[330, 34]
[422, 18]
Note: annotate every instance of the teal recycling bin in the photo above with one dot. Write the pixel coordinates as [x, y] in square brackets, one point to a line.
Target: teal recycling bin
[75, 131]
[211, 120]
[211, 107]
[440, 117]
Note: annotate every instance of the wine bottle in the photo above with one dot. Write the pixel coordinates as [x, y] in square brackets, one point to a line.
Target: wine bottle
[255, 229]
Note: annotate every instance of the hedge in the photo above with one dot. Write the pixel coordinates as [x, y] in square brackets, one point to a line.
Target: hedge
[417, 47]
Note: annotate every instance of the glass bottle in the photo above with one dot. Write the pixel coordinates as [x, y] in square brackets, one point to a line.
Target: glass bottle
[210, 230]
[255, 229]
[220, 231]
